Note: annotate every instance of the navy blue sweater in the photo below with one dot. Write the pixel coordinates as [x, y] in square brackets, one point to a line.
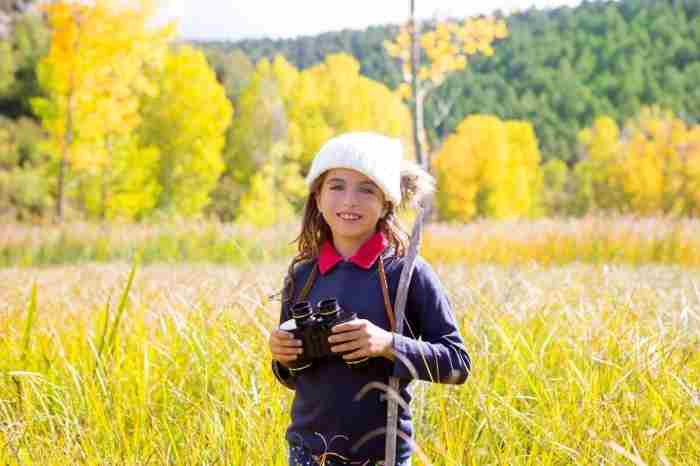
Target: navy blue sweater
[330, 403]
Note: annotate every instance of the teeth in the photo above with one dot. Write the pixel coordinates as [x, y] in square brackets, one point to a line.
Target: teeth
[349, 216]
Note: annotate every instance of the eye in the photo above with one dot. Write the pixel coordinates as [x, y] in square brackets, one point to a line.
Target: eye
[336, 187]
[367, 190]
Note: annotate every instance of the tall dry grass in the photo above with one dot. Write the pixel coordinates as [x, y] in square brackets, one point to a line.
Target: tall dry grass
[623, 240]
[581, 364]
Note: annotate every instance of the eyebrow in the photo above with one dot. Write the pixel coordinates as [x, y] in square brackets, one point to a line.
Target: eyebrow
[340, 180]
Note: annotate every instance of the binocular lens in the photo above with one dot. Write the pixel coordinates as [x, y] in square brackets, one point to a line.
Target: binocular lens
[301, 310]
[328, 306]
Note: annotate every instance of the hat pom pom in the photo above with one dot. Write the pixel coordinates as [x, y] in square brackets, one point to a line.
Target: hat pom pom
[416, 184]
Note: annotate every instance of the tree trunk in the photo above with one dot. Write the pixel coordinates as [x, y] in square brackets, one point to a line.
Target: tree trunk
[59, 194]
[417, 109]
[104, 174]
[419, 131]
[420, 141]
[67, 141]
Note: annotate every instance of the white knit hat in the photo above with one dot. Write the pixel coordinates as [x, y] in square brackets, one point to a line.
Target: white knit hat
[377, 157]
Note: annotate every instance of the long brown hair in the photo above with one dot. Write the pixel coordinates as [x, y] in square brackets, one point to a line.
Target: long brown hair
[415, 185]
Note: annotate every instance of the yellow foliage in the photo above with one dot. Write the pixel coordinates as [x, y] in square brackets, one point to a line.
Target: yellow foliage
[333, 97]
[95, 74]
[489, 168]
[651, 168]
[286, 115]
[187, 122]
[447, 47]
[272, 189]
[129, 189]
[100, 65]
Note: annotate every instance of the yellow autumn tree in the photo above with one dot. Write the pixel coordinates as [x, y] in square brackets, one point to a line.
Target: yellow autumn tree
[436, 53]
[333, 97]
[489, 168]
[260, 159]
[651, 167]
[123, 171]
[523, 190]
[268, 200]
[662, 164]
[93, 77]
[285, 117]
[124, 187]
[186, 121]
[599, 174]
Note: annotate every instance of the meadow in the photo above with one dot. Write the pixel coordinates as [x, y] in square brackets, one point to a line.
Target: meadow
[584, 337]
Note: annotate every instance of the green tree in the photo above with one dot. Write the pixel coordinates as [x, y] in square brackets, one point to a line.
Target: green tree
[260, 124]
[20, 53]
[25, 172]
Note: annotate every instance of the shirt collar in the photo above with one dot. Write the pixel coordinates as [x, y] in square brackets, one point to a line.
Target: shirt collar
[364, 257]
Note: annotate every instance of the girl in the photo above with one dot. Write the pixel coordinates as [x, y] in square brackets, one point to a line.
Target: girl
[351, 248]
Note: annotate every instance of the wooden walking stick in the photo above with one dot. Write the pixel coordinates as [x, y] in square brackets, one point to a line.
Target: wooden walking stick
[401, 296]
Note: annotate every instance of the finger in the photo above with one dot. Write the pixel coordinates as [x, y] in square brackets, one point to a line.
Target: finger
[349, 326]
[285, 358]
[349, 346]
[358, 354]
[287, 343]
[284, 340]
[285, 350]
[287, 347]
[346, 336]
[282, 335]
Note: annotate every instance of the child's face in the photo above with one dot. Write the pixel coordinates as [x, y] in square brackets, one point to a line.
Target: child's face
[351, 204]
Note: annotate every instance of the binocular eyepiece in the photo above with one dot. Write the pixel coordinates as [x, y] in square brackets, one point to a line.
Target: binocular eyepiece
[313, 327]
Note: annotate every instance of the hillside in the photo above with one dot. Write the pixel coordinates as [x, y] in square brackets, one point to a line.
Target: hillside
[559, 68]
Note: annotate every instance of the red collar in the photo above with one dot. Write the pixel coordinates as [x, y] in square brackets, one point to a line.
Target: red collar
[364, 257]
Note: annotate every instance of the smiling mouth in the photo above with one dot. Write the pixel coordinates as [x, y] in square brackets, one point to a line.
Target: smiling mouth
[350, 217]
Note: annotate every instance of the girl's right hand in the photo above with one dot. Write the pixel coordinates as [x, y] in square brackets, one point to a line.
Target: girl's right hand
[283, 346]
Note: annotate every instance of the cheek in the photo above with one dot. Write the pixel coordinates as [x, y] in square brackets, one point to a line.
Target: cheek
[377, 205]
[325, 202]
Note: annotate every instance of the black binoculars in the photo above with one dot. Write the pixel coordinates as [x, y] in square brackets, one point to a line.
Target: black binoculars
[314, 328]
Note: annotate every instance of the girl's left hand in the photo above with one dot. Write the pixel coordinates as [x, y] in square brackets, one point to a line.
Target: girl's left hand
[361, 338]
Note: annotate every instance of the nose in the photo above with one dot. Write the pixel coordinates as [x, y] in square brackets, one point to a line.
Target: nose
[350, 198]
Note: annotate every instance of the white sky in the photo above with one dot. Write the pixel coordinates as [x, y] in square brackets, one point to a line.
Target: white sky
[236, 19]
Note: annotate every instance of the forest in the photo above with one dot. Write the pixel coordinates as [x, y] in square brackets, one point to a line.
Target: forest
[593, 108]
[559, 68]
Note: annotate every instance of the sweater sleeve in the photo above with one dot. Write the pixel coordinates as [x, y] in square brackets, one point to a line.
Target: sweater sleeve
[434, 351]
[282, 374]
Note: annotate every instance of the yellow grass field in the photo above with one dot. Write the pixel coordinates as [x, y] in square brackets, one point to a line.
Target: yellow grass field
[574, 364]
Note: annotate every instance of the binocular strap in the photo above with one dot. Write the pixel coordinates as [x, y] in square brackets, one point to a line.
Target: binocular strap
[382, 279]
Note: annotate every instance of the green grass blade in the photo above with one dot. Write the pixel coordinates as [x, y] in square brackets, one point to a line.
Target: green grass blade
[31, 314]
[120, 309]
[105, 328]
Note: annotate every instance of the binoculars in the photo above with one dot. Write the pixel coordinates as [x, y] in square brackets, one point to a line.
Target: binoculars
[313, 329]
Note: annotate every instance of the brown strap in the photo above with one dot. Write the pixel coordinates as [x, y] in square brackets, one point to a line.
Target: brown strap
[382, 278]
[385, 291]
[309, 283]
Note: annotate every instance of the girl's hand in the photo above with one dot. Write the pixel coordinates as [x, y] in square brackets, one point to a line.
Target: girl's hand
[283, 346]
[361, 338]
